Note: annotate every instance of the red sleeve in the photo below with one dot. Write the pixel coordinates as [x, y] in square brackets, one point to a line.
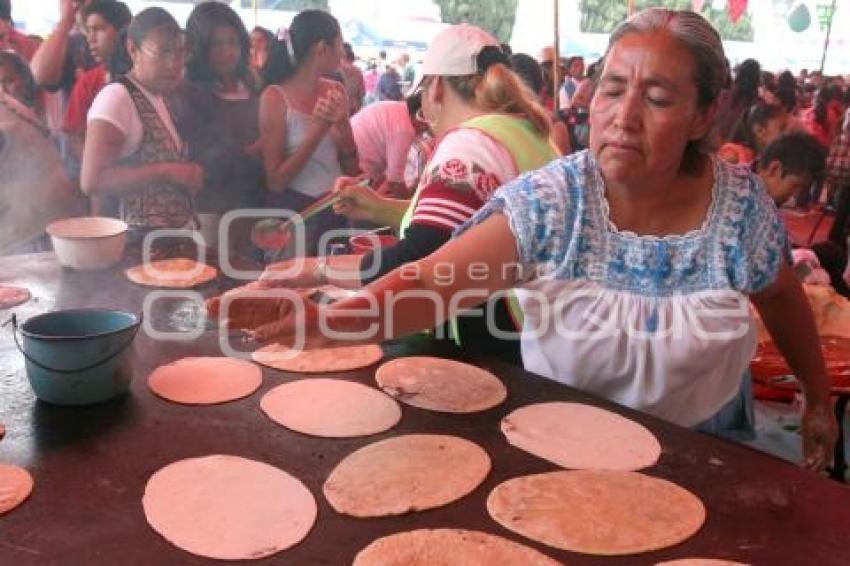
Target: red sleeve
[445, 207]
[81, 98]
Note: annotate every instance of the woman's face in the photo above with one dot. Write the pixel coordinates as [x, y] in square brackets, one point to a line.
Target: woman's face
[12, 83]
[331, 54]
[770, 130]
[225, 51]
[158, 60]
[645, 111]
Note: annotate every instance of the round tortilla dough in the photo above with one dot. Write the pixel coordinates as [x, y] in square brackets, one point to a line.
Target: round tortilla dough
[406, 473]
[601, 512]
[13, 296]
[331, 408]
[15, 486]
[441, 385]
[700, 562]
[447, 547]
[177, 273]
[581, 437]
[205, 381]
[328, 359]
[228, 508]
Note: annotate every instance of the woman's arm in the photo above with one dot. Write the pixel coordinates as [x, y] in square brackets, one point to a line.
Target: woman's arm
[101, 173]
[788, 317]
[48, 62]
[339, 270]
[460, 275]
[348, 159]
[362, 203]
[280, 167]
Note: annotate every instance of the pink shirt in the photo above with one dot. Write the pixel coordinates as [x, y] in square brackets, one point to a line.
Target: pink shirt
[384, 133]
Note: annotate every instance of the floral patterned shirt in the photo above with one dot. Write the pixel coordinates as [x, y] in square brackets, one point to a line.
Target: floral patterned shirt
[660, 324]
[463, 173]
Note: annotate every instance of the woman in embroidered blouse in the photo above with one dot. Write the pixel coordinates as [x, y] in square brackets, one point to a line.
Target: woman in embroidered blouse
[305, 132]
[132, 148]
[635, 258]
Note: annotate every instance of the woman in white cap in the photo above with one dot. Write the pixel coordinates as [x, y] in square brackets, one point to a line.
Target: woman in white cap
[489, 129]
[637, 259]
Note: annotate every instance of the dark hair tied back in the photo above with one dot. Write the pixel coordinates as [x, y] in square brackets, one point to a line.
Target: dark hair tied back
[308, 28]
[491, 55]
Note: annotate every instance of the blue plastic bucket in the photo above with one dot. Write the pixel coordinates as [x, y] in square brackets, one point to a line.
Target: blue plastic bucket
[78, 357]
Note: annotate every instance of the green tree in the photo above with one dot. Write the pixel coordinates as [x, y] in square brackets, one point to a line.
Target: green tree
[602, 16]
[496, 16]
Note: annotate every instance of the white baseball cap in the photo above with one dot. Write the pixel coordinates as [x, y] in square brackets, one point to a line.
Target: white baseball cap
[454, 52]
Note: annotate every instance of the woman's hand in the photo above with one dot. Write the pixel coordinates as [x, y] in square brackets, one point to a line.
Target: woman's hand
[356, 201]
[189, 175]
[331, 108]
[820, 432]
[301, 320]
[298, 272]
[250, 306]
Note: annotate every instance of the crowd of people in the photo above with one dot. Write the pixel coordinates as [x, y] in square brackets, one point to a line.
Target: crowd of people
[645, 185]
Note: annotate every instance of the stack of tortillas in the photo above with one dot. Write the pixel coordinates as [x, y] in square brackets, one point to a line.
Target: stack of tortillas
[13, 296]
[326, 359]
[581, 437]
[15, 487]
[406, 473]
[206, 380]
[331, 408]
[178, 273]
[597, 511]
[228, 508]
[440, 385]
[446, 547]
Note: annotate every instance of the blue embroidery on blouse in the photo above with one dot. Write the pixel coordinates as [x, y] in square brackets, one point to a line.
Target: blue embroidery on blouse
[559, 216]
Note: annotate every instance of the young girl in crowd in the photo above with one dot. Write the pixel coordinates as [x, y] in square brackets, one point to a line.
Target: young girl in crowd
[762, 124]
[306, 135]
[132, 148]
[217, 109]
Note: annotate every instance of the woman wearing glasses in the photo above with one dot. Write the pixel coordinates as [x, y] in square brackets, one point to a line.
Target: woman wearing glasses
[132, 149]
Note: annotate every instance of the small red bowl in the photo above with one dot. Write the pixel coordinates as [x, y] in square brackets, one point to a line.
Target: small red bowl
[362, 243]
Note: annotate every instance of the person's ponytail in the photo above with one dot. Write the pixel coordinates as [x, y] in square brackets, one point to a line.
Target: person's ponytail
[500, 90]
[279, 65]
[286, 55]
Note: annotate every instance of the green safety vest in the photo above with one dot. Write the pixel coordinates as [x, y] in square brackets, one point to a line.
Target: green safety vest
[529, 150]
